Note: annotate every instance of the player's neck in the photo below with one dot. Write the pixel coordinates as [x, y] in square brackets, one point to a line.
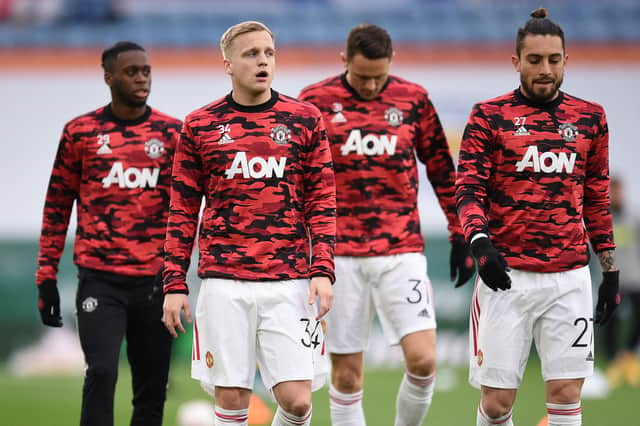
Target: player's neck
[246, 98]
[125, 112]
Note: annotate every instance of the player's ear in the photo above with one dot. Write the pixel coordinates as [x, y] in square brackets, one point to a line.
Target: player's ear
[344, 59]
[227, 66]
[516, 62]
[108, 77]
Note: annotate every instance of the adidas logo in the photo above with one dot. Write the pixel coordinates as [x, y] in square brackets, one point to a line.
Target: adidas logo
[339, 118]
[424, 313]
[590, 356]
[522, 131]
[225, 139]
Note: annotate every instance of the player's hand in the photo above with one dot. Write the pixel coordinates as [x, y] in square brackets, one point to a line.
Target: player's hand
[608, 297]
[174, 304]
[491, 265]
[461, 262]
[321, 288]
[49, 303]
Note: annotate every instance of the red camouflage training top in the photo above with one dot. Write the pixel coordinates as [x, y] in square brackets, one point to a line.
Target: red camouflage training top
[374, 145]
[118, 172]
[266, 175]
[529, 174]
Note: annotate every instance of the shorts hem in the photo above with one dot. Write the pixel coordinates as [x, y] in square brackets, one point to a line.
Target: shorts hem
[477, 383]
[411, 330]
[223, 384]
[270, 386]
[345, 351]
[568, 376]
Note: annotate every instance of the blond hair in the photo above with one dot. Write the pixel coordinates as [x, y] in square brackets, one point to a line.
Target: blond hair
[238, 29]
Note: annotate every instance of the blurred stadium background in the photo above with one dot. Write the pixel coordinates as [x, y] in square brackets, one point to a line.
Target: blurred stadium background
[458, 49]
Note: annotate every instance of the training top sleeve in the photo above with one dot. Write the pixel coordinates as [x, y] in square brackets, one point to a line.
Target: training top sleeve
[320, 202]
[597, 212]
[62, 191]
[433, 151]
[186, 198]
[474, 167]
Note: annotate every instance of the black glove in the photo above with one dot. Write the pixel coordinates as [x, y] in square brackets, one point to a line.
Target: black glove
[460, 261]
[49, 303]
[491, 265]
[608, 297]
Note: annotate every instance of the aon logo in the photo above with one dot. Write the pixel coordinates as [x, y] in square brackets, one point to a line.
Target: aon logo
[257, 167]
[132, 177]
[547, 162]
[370, 144]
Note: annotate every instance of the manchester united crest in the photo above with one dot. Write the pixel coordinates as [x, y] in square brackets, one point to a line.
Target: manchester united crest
[281, 134]
[568, 131]
[209, 359]
[89, 304]
[393, 116]
[480, 358]
[154, 148]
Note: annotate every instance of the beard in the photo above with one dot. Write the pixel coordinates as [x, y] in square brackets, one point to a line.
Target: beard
[540, 96]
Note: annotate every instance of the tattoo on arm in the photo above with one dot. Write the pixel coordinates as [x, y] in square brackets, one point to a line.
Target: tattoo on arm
[607, 260]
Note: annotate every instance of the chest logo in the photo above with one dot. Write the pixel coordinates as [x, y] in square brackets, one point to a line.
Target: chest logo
[370, 144]
[256, 167]
[393, 116]
[281, 134]
[337, 110]
[224, 130]
[546, 162]
[131, 177]
[103, 141]
[154, 148]
[568, 131]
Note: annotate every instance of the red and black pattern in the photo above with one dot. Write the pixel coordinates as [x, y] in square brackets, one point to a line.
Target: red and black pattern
[528, 175]
[118, 172]
[374, 145]
[267, 178]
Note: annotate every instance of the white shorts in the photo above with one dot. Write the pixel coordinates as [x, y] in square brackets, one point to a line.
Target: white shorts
[554, 310]
[396, 285]
[241, 324]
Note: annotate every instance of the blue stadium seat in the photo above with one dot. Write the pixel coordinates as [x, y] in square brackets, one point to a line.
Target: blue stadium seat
[323, 21]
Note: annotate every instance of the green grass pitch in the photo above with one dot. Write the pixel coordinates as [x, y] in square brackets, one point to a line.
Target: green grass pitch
[55, 401]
